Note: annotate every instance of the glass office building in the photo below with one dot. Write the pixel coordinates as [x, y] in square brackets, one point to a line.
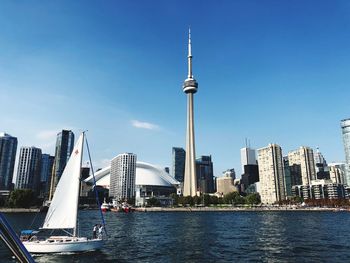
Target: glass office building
[8, 148]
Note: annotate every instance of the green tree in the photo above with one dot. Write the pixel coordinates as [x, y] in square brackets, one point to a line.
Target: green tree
[197, 200]
[253, 199]
[297, 200]
[206, 199]
[213, 199]
[233, 198]
[187, 200]
[175, 198]
[22, 198]
[153, 202]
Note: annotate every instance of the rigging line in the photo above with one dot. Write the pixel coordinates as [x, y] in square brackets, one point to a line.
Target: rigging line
[34, 219]
[96, 194]
[67, 232]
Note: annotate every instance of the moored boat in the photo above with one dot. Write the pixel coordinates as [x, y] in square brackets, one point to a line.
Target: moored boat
[59, 244]
[105, 207]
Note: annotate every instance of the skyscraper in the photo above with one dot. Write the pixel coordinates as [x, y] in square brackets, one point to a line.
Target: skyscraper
[322, 170]
[122, 178]
[8, 148]
[304, 157]
[250, 175]
[29, 166]
[345, 128]
[205, 174]
[45, 173]
[250, 170]
[64, 148]
[190, 87]
[179, 157]
[287, 176]
[247, 157]
[271, 173]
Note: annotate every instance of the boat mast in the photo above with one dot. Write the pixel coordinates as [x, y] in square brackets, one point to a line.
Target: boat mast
[96, 194]
[81, 160]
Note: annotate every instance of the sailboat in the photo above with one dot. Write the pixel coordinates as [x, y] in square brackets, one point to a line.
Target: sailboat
[63, 213]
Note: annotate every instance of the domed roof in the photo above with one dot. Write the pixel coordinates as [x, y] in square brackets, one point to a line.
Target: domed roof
[146, 174]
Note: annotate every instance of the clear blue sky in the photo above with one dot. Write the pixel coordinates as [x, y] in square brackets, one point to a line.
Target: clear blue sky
[272, 71]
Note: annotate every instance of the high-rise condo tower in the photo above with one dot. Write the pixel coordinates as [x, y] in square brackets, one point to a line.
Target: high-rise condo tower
[190, 87]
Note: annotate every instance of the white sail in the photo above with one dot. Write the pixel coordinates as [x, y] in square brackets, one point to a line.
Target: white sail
[64, 206]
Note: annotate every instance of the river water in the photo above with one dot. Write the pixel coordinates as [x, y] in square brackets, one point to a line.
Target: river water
[285, 236]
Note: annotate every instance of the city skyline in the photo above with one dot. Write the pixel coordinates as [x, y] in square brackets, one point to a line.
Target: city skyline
[276, 73]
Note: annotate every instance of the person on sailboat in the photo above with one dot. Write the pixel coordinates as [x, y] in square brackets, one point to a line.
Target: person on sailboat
[94, 231]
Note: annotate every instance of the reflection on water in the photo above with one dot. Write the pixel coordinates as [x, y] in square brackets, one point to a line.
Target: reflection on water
[285, 236]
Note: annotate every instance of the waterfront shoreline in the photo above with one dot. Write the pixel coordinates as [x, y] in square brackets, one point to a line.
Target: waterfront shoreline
[202, 209]
[238, 209]
[19, 210]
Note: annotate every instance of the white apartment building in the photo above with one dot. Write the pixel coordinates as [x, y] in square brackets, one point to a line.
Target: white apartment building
[122, 178]
[29, 166]
[337, 173]
[304, 156]
[271, 173]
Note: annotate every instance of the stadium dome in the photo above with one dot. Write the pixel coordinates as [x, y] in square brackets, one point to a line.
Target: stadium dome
[146, 175]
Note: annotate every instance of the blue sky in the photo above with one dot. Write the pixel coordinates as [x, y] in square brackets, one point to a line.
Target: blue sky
[270, 71]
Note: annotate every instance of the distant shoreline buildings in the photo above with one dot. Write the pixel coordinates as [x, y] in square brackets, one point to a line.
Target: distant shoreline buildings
[276, 177]
[8, 149]
[34, 169]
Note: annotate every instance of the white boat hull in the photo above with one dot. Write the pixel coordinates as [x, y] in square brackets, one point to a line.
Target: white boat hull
[68, 244]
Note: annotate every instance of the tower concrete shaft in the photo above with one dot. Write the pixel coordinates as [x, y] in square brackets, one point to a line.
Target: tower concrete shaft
[190, 181]
[190, 87]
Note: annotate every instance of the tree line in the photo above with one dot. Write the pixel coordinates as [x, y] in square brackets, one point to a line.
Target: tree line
[21, 198]
[233, 198]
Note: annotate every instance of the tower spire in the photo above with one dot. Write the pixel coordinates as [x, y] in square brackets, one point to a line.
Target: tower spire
[190, 76]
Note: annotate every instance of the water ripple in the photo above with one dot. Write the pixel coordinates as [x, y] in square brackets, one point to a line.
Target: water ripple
[210, 237]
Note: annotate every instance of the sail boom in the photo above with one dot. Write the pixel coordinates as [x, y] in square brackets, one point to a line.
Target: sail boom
[56, 228]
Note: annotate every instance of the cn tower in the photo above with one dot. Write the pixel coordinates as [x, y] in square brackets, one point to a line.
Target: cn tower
[190, 87]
